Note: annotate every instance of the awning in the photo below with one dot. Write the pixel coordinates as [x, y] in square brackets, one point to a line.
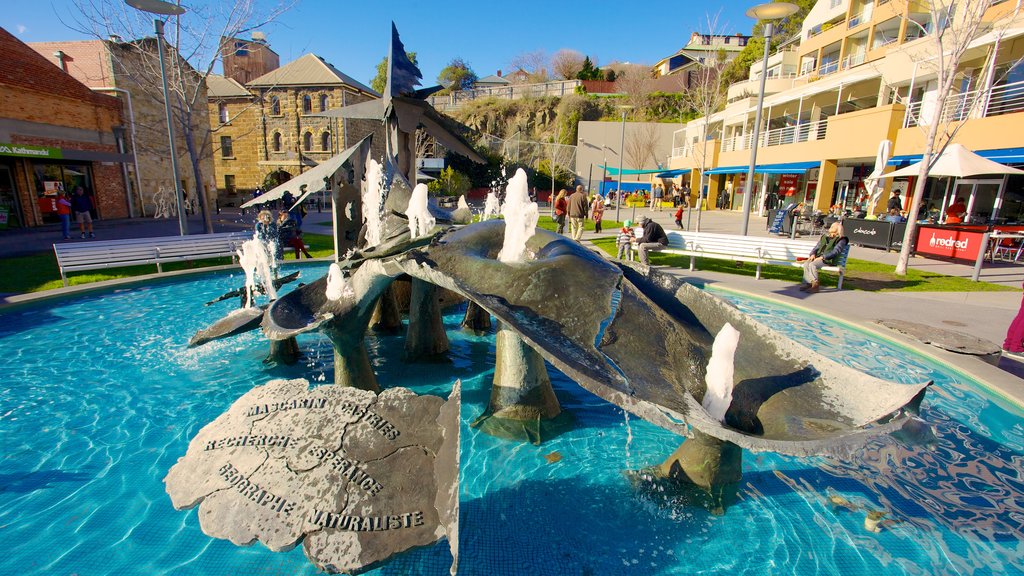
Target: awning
[788, 168]
[629, 171]
[959, 162]
[1002, 155]
[673, 173]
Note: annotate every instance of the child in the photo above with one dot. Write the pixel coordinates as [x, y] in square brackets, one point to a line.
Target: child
[679, 216]
[624, 241]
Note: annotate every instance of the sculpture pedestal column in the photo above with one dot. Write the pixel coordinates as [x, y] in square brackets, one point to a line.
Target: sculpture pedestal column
[522, 400]
[284, 351]
[386, 315]
[703, 471]
[426, 337]
[477, 318]
[353, 369]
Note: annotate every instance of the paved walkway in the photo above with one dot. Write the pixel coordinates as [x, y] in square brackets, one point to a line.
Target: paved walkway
[985, 315]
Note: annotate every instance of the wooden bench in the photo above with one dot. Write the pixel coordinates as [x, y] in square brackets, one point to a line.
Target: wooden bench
[757, 250]
[76, 256]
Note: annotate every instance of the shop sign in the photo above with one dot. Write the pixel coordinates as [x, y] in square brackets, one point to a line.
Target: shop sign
[873, 233]
[29, 151]
[788, 184]
[948, 242]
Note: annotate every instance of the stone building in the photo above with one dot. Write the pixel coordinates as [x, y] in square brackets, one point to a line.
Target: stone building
[269, 130]
[131, 72]
[56, 133]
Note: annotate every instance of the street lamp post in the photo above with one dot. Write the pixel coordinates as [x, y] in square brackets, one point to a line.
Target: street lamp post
[622, 147]
[167, 9]
[769, 13]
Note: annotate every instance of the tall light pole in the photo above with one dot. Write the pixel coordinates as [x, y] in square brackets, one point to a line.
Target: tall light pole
[622, 149]
[167, 9]
[768, 13]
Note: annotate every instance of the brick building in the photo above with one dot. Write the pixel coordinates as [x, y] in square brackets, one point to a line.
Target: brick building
[56, 133]
[269, 131]
[131, 72]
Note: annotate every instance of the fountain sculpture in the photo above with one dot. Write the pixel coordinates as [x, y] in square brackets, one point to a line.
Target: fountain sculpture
[358, 475]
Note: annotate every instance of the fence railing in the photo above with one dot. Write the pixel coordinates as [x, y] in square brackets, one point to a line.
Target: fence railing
[509, 92]
[778, 136]
[853, 60]
[1005, 99]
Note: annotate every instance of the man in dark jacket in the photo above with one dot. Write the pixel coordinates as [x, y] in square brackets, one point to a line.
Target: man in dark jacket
[81, 205]
[578, 207]
[653, 238]
[826, 253]
[895, 202]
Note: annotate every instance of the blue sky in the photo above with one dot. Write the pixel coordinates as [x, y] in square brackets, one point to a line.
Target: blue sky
[354, 36]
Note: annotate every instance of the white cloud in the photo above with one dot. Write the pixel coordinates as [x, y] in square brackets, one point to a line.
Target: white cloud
[21, 28]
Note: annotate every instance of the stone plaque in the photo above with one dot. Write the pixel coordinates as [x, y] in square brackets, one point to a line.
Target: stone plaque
[355, 477]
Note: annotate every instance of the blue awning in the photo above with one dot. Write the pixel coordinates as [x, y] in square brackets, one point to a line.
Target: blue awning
[673, 173]
[788, 168]
[1001, 155]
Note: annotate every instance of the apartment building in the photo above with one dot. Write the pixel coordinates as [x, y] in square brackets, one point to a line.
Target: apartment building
[861, 72]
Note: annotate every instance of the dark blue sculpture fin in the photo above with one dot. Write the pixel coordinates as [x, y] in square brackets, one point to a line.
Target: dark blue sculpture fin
[403, 75]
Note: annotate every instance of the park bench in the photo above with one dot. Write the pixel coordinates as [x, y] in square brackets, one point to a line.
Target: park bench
[753, 249]
[77, 256]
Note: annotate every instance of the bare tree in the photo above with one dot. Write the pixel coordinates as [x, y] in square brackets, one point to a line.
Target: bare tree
[705, 96]
[566, 64]
[534, 63]
[194, 44]
[642, 145]
[954, 27]
[636, 84]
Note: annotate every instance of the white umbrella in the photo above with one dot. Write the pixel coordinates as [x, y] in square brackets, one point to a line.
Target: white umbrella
[958, 162]
[873, 182]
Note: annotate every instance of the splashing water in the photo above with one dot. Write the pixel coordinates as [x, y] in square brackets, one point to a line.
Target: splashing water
[337, 285]
[521, 217]
[373, 202]
[491, 206]
[256, 260]
[420, 220]
[719, 378]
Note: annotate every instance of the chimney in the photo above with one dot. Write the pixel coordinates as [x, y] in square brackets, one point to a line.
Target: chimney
[499, 73]
[60, 60]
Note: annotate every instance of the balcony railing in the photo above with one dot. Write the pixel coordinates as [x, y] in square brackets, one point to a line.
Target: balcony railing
[854, 60]
[778, 136]
[828, 67]
[1005, 99]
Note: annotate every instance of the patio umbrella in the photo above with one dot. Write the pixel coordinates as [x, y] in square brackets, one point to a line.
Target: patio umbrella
[873, 182]
[959, 162]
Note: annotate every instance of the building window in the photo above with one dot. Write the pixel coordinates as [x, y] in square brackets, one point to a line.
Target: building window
[323, 102]
[229, 183]
[307, 141]
[325, 141]
[226, 151]
[275, 105]
[222, 111]
[307, 104]
[277, 141]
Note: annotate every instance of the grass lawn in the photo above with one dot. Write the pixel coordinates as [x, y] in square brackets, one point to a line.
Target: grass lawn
[860, 274]
[39, 271]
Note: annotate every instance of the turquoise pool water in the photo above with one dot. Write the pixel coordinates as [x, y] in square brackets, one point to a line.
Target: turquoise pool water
[101, 397]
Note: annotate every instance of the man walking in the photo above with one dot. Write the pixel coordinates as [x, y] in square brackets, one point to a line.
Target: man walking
[578, 206]
[653, 239]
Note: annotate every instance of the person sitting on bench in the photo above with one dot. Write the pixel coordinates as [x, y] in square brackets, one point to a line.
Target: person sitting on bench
[653, 239]
[827, 251]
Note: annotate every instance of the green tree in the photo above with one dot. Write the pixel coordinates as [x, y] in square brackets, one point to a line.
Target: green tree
[457, 75]
[589, 71]
[609, 75]
[380, 81]
[449, 182]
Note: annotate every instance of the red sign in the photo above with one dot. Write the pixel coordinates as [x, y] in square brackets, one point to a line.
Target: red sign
[788, 184]
[47, 204]
[949, 242]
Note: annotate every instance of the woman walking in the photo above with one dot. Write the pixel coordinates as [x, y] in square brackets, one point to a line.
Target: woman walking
[597, 212]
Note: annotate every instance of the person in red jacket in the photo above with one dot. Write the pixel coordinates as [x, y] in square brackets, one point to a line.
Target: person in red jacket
[561, 209]
[64, 213]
